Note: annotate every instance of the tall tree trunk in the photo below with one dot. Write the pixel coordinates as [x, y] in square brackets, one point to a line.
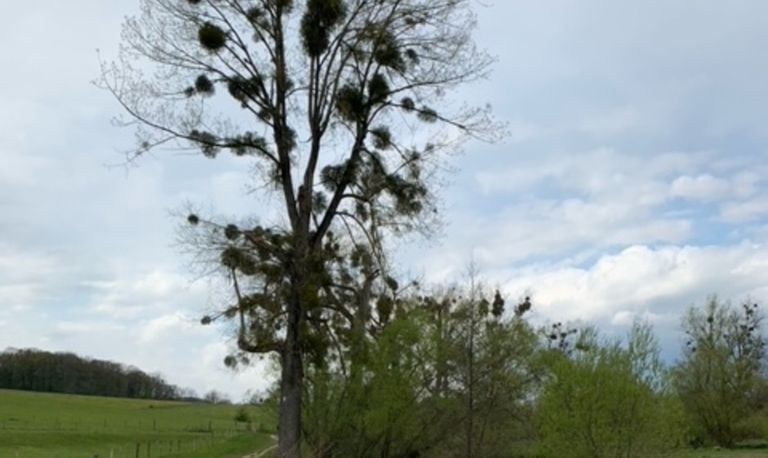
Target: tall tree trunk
[442, 385]
[362, 316]
[289, 423]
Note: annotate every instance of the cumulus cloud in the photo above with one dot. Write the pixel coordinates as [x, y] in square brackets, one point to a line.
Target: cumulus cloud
[155, 328]
[559, 205]
[64, 330]
[18, 265]
[22, 277]
[702, 187]
[598, 172]
[754, 209]
[644, 281]
[147, 295]
[556, 228]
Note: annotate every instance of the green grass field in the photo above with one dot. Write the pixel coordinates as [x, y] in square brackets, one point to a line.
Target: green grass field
[712, 453]
[43, 425]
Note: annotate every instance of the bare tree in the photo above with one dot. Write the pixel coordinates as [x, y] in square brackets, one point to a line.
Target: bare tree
[340, 104]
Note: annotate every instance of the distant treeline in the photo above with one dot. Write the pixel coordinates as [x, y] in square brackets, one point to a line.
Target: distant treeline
[36, 370]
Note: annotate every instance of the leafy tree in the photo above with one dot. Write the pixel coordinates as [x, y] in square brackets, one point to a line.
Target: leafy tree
[415, 384]
[382, 412]
[242, 415]
[492, 370]
[719, 375]
[37, 370]
[606, 400]
[339, 103]
[216, 397]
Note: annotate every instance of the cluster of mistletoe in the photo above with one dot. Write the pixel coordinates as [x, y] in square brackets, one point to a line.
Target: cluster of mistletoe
[334, 103]
[345, 288]
[735, 332]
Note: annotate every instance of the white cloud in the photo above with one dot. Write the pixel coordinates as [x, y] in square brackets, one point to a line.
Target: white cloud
[21, 296]
[650, 282]
[177, 324]
[599, 172]
[147, 294]
[19, 169]
[164, 340]
[703, 187]
[18, 265]
[745, 211]
[520, 131]
[542, 228]
[257, 377]
[746, 183]
[90, 328]
[26, 277]
[625, 318]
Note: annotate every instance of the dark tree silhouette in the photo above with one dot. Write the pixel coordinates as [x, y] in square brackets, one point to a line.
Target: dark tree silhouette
[340, 104]
[37, 370]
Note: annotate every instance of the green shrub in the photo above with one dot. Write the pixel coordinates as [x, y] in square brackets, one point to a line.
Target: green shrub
[242, 416]
[606, 401]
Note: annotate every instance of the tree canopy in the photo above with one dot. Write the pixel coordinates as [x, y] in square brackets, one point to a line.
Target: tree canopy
[342, 107]
[721, 370]
[36, 370]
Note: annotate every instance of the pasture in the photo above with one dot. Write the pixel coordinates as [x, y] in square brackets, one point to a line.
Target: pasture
[47, 425]
[716, 453]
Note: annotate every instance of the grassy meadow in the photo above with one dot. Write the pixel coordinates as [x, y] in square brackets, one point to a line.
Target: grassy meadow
[50, 425]
[719, 453]
[47, 425]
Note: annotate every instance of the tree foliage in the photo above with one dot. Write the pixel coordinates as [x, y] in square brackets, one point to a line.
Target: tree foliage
[340, 104]
[36, 370]
[430, 382]
[720, 373]
[605, 400]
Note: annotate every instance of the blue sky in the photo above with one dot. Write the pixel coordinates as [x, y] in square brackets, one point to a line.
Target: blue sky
[632, 181]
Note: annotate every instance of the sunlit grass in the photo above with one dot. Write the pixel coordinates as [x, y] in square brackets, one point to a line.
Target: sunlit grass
[54, 425]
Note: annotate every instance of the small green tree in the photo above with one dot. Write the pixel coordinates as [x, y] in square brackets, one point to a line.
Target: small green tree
[491, 356]
[607, 400]
[444, 375]
[381, 410]
[242, 415]
[719, 375]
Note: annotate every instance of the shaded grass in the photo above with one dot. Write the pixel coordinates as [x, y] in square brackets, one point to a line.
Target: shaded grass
[36, 425]
[723, 453]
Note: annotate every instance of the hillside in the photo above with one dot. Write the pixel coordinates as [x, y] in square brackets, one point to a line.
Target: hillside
[37, 370]
[44, 425]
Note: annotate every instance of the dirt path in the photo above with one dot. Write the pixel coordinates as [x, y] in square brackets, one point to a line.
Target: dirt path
[263, 452]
